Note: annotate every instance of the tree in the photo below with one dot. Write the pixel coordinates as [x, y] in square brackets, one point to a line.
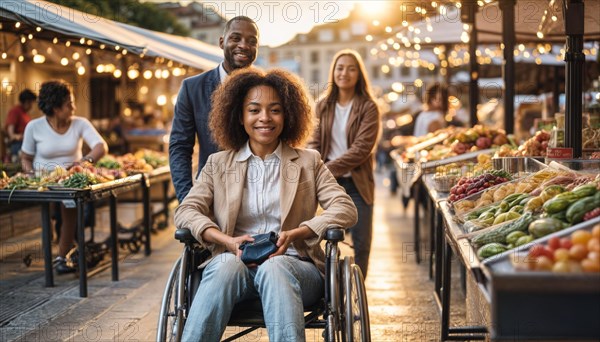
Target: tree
[146, 15]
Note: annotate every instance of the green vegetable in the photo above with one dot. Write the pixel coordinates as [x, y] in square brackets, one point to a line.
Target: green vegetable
[585, 190]
[491, 249]
[576, 211]
[499, 234]
[517, 209]
[518, 200]
[560, 202]
[561, 215]
[526, 200]
[545, 226]
[78, 180]
[514, 236]
[108, 163]
[523, 240]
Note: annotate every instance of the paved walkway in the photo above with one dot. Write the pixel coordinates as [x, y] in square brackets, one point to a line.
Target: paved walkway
[400, 297]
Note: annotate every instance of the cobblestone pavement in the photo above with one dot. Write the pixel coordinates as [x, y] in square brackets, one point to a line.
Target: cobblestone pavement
[399, 291]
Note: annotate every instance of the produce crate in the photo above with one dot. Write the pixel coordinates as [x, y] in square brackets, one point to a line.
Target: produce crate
[536, 305]
[429, 166]
[587, 166]
[518, 166]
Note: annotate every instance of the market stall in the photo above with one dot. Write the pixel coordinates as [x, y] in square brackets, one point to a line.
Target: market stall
[109, 177]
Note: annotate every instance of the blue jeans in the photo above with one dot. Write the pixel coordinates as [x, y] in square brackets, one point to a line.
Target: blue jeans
[362, 231]
[284, 284]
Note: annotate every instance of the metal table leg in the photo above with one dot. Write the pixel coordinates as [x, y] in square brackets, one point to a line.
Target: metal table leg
[467, 333]
[417, 235]
[439, 251]
[166, 200]
[47, 244]
[147, 214]
[431, 212]
[81, 245]
[114, 251]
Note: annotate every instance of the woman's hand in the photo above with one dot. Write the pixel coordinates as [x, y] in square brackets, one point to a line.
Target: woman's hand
[234, 244]
[285, 238]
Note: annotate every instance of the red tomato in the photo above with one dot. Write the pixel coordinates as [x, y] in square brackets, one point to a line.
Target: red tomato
[536, 251]
[566, 243]
[554, 243]
[539, 250]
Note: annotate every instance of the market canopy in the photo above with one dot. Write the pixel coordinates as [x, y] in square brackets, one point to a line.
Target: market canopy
[70, 22]
[536, 21]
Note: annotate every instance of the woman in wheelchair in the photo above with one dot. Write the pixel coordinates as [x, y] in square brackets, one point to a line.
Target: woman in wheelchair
[262, 182]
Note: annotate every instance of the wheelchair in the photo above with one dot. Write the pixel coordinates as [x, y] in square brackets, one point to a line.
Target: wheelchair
[342, 313]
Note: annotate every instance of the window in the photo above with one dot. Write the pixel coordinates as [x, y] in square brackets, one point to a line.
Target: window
[390, 74]
[315, 76]
[314, 57]
[375, 71]
[344, 35]
[326, 36]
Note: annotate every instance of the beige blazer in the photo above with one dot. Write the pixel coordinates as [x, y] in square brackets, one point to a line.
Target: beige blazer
[363, 129]
[215, 199]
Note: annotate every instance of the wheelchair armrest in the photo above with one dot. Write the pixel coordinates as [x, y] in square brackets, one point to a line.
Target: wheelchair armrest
[335, 234]
[184, 235]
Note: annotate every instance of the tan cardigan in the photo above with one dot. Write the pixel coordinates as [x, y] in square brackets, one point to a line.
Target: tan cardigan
[363, 129]
[215, 199]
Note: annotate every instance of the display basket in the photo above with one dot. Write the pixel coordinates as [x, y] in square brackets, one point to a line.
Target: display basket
[443, 183]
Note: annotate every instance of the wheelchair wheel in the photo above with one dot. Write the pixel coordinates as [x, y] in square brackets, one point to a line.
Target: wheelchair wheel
[170, 320]
[356, 313]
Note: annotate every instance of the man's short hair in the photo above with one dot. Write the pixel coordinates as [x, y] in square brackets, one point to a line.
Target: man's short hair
[238, 18]
[27, 95]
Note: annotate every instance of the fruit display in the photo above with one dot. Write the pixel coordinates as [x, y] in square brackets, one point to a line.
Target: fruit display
[534, 147]
[577, 253]
[82, 175]
[463, 140]
[557, 209]
[467, 186]
[499, 192]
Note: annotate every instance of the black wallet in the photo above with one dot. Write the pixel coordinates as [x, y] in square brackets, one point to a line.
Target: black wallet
[258, 251]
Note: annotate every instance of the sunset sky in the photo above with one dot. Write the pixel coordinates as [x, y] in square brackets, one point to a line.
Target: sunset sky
[280, 21]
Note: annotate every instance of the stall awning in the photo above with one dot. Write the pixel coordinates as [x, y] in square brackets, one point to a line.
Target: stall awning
[70, 22]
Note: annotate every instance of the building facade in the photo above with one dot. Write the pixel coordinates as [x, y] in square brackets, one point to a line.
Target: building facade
[202, 20]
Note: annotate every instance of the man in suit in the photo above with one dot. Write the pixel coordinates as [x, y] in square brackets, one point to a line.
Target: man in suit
[240, 46]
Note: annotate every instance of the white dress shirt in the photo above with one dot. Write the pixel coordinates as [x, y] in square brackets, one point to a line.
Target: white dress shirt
[260, 211]
[222, 73]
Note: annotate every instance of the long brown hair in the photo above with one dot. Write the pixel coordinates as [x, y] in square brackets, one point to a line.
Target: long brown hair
[363, 86]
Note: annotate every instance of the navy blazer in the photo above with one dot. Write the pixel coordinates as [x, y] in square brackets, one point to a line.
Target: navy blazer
[190, 120]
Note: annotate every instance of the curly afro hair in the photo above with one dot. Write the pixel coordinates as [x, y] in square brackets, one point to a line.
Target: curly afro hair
[228, 103]
[53, 94]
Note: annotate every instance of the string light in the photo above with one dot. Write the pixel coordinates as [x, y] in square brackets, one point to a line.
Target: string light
[64, 61]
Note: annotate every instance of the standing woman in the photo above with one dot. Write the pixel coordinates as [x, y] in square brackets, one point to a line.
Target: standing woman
[55, 140]
[346, 136]
[435, 108]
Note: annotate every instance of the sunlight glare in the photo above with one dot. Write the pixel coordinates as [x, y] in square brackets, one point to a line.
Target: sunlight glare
[373, 9]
